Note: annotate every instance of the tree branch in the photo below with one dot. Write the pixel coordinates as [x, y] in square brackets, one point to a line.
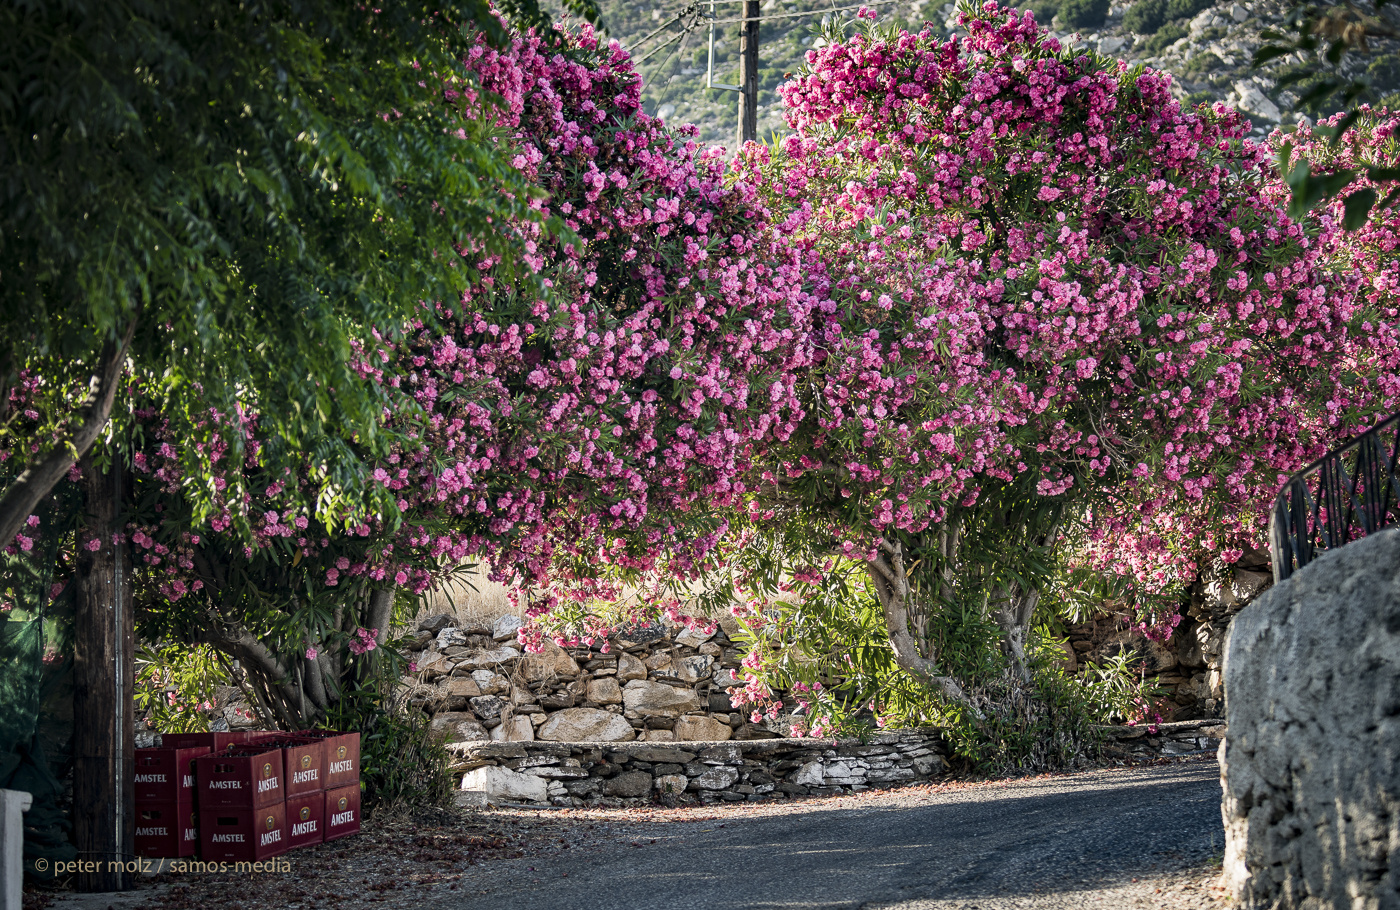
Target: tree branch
[36, 481]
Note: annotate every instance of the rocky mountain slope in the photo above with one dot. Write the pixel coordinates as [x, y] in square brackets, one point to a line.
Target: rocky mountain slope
[1207, 47]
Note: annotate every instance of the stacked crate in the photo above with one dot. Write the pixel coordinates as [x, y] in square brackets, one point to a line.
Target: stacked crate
[246, 797]
[304, 759]
[166, 819]
[342, 781]
[242, 803]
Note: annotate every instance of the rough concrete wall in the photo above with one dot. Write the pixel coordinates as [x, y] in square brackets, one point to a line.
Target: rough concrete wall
[1310, 771]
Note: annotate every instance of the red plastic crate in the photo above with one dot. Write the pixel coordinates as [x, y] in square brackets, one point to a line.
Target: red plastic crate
[303, 760]
[306, 819]
[247, 776]
[342, 756]
[166, 775]
[342, 811]
[216, 742]
[246, 835]
[166, 829]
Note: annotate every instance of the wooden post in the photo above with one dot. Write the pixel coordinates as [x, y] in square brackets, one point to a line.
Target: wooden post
[103, 711]
[748, 74]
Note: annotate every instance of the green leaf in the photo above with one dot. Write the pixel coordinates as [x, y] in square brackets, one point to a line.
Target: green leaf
[1310, 191]
[1358, 208]
[1269, 52]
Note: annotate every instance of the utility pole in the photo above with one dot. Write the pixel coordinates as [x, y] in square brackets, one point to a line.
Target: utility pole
[748, 74]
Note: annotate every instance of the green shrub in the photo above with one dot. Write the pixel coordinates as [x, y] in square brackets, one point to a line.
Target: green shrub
[1087, 14]
[403, 764]
[1146, 17]
[1169, 34]
[1202, 64]
[1044, 10]
[1181, 9]
[1385, 76]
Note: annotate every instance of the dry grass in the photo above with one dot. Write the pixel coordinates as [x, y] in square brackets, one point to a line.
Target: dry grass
[470, 597]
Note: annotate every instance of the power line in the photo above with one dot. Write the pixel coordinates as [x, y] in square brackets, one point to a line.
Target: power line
[693, 7]
[686, 28]
[666, 93]
[815, 12]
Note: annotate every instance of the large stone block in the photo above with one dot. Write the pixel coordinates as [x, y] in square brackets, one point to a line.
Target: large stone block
[515, 730]
[489, 659]
[457, 727]
[809, 775]
[552, 662]
[695, 637]
[432, 664]
[456, 692]
[628, 785]
[700, 728]
[487, 707]
[629, 667]
[604, 691]
[1311, 765]
[642, 697]
[505, 784]
[671, 784]
[505, 628]
[490, 682]
[435, 623]
[585, 725]
[460, 687]
[717, 779]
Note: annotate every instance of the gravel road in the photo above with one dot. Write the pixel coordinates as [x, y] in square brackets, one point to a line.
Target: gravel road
[1117, 838]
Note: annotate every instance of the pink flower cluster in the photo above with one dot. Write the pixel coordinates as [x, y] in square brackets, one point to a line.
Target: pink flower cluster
[364, 640]
[1048, 274]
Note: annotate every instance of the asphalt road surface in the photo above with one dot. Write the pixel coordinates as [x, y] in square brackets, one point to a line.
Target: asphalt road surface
[1057, 840]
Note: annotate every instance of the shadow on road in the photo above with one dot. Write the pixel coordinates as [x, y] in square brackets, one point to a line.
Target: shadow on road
[1062, 834]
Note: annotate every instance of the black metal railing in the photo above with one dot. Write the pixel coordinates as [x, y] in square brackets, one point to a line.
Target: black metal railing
[1345, 495]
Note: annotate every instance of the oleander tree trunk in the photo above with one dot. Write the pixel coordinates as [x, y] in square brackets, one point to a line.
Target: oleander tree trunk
[288, 688]
[889, 576]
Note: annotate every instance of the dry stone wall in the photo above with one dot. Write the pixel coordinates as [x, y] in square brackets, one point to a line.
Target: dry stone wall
[658, 683]
[585, 774]
[1189, 665]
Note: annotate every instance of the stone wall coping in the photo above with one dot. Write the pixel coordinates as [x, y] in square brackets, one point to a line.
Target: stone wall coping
[1135, 731]
[486, 749]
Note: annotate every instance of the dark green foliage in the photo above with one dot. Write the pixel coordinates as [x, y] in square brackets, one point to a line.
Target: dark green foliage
[1202, 64]
[1044, 10]
[403, 765]
[1184, 9]
[1168, 35]
[254, 185]
[1327, 33]
[1083, 13]
[1146, 16]
[1165, 37]
[1384, 73]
